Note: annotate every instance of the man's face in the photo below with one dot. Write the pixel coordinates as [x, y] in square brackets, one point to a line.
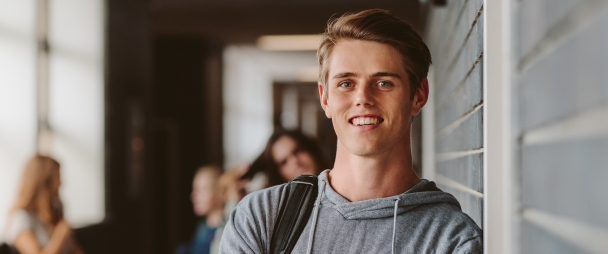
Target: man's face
[368, 97]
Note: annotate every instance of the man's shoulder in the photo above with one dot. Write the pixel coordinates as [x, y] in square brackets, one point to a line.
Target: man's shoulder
[447, 210]
[269, 198]
[251, 222]
[262, 201]
[449, 219]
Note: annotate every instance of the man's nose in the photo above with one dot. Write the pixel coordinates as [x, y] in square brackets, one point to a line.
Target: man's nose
[364, 96]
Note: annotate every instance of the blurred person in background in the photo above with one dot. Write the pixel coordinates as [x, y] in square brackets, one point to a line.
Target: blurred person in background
[208, 200]
[288, 154]
[36, 223]
[232, 187]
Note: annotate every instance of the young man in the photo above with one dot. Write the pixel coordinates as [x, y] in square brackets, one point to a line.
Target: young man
[372, 83]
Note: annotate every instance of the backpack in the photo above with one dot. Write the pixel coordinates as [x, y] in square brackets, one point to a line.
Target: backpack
[299, 195]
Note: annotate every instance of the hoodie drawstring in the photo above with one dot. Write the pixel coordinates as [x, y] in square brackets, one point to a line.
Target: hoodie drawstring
[314, 219]
[394, 225]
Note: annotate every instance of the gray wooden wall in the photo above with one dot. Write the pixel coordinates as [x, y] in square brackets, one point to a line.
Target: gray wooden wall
[561, 120]
[455, 38]
[558, 111]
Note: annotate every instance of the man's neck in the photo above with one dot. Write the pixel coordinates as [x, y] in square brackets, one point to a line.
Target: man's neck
[359, 178]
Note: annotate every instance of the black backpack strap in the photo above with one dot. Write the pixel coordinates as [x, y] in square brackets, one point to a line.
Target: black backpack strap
[299, 198]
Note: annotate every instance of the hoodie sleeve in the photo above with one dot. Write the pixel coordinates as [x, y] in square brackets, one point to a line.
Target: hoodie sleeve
[474, 245]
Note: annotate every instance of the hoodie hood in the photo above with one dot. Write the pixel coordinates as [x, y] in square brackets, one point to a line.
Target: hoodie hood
[425, 192]
[423, 219]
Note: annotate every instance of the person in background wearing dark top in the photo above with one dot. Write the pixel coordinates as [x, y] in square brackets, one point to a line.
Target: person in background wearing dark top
[288, 154]
[208, 204]
[36, 223]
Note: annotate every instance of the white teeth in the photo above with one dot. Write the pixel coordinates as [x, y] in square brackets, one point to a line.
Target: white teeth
[365, 121]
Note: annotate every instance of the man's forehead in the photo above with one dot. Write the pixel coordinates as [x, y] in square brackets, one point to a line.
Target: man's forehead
[359, 57]
[340, 75]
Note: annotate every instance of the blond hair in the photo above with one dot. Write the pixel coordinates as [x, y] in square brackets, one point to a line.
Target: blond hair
[378, 26]
[36, 194]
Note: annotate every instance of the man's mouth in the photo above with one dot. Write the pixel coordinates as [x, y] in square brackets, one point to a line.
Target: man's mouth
[366, 120]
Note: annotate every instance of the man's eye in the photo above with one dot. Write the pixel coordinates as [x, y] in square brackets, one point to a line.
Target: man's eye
[346, 84]
[384, 84]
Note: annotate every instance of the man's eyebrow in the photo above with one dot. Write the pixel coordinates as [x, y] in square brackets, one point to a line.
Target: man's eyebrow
[344, 75]
[375, 75]
[386, 74]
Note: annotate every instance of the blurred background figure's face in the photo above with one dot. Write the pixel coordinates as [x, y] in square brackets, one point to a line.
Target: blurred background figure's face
[204, 194]
[291, 160]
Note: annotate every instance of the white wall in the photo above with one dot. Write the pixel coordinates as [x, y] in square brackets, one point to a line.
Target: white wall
[248, 77]
[17, 95]
[76, 101]
[76, 107]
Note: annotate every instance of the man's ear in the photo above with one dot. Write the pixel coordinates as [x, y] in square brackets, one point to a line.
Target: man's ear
[421, 96]
[323, 99]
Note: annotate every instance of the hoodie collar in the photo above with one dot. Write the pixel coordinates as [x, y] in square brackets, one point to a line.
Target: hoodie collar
[425, 192]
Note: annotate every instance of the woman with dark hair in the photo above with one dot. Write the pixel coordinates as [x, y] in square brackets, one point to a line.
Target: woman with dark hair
[288, 154]
[36, 223]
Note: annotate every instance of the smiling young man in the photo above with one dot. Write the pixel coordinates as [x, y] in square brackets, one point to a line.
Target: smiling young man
[372, 84]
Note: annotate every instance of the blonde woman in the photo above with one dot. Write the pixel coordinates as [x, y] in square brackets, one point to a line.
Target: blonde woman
[36, 223]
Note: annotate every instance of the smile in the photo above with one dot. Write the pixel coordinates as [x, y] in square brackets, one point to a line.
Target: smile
[366, 120]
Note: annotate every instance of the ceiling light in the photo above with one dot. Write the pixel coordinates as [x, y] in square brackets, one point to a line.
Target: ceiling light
[289, 42]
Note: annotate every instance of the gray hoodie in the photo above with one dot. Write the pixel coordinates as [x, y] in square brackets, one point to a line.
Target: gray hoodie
[422, 220]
